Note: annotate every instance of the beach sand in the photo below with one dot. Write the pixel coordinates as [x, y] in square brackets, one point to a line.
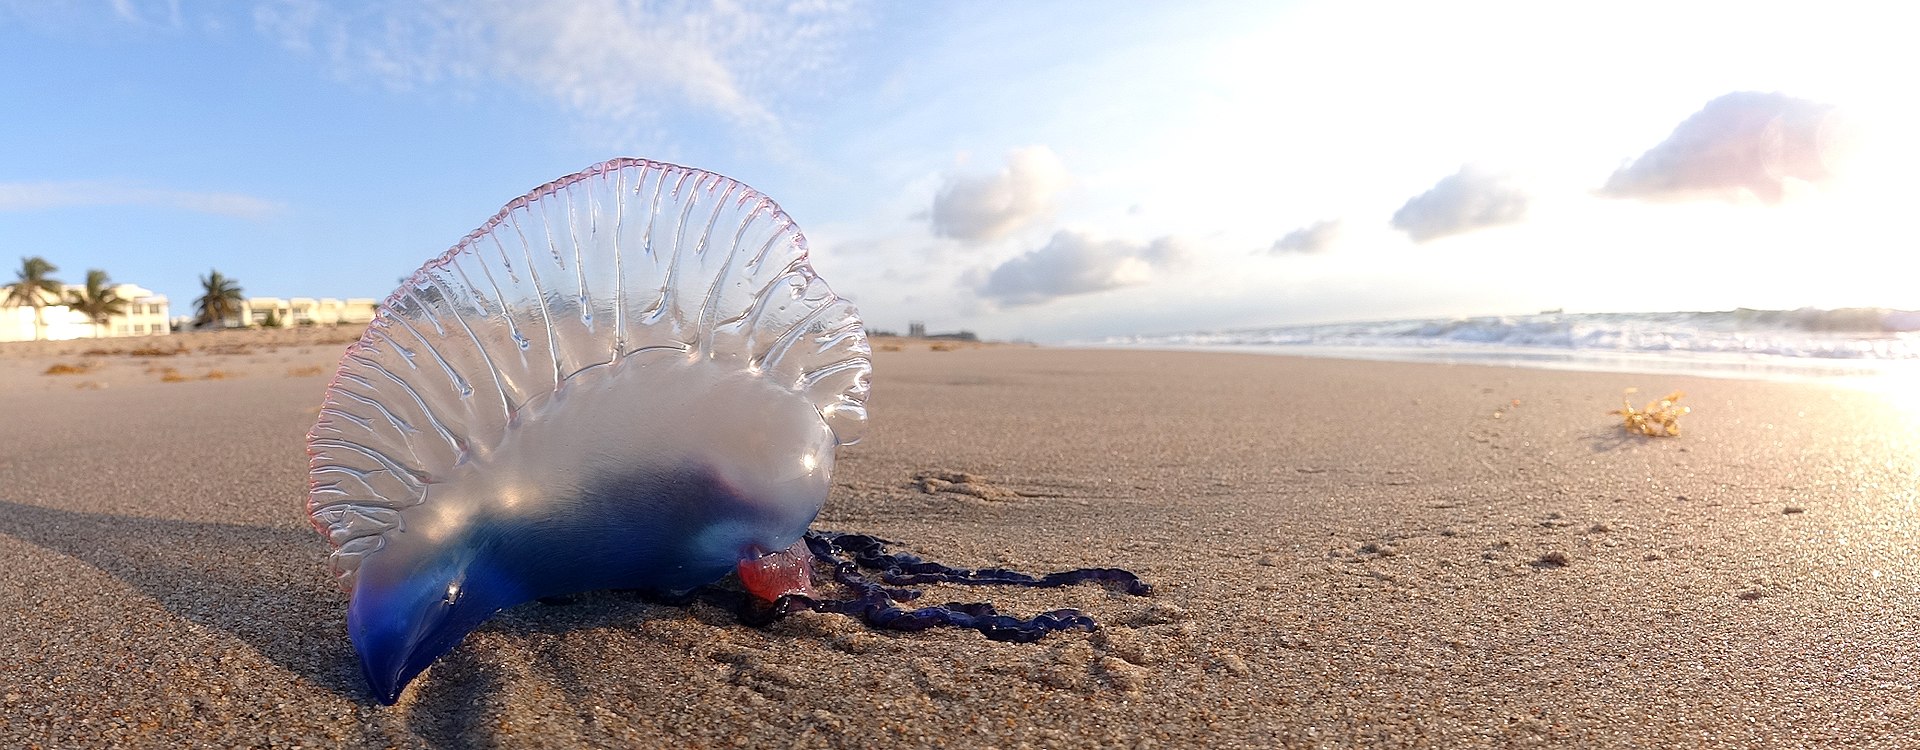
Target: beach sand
[1344, 553]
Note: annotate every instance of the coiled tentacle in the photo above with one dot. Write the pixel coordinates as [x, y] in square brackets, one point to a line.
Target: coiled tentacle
[874, 602]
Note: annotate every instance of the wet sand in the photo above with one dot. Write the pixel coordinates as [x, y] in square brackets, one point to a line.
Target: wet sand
[1345, 553]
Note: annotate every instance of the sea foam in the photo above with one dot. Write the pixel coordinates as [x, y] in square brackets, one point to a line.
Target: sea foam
[1807, 342]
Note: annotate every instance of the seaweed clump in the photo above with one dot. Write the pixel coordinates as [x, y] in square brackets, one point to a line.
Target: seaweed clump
[1659, 419]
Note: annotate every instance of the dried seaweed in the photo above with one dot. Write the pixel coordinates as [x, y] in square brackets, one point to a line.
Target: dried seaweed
[1659, 419]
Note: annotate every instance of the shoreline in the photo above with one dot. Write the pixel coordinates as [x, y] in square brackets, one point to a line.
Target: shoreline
[1864, 373]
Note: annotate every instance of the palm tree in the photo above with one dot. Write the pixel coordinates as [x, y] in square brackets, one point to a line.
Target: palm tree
[32, 287]
[98, 301]
[219, 299]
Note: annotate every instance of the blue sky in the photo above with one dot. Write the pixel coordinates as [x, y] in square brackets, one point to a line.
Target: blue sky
[1037, 170]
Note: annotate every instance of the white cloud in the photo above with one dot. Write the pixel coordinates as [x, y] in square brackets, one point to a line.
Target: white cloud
[1077, 263]
[33, 196]
[156, 13]
[981, 208]
[1462, 202]
[1313, 238]
[1745, 141]
[613, 59]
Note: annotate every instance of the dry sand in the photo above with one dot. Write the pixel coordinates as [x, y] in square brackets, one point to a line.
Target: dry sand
[1346, 553]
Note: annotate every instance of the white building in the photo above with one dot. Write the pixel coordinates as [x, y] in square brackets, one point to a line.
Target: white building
[307, 311]
[144, 315]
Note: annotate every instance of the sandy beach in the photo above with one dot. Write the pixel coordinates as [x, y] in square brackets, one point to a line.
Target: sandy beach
[1344, 554]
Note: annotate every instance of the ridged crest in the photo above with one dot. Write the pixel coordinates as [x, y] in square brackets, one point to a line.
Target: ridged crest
[627, 256]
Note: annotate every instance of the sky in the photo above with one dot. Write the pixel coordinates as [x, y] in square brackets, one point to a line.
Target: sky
[1034, 170]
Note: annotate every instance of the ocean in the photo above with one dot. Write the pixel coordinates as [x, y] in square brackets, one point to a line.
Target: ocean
[1850, 343]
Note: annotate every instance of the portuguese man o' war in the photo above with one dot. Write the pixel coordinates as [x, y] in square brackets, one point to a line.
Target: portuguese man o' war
[628, 378]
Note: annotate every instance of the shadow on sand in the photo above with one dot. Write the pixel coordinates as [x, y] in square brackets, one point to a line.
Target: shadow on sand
[1613, 438]
[267, 587]
[262, 585]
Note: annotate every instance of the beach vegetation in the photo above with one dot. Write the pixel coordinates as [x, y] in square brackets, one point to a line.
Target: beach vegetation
[151, 350]
[35, 286]
[1659, 419]
[97, 300]
[219, 301]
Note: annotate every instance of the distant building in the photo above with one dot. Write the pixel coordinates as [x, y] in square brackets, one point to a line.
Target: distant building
[144, 315]
[918, 330]
[307, 311]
